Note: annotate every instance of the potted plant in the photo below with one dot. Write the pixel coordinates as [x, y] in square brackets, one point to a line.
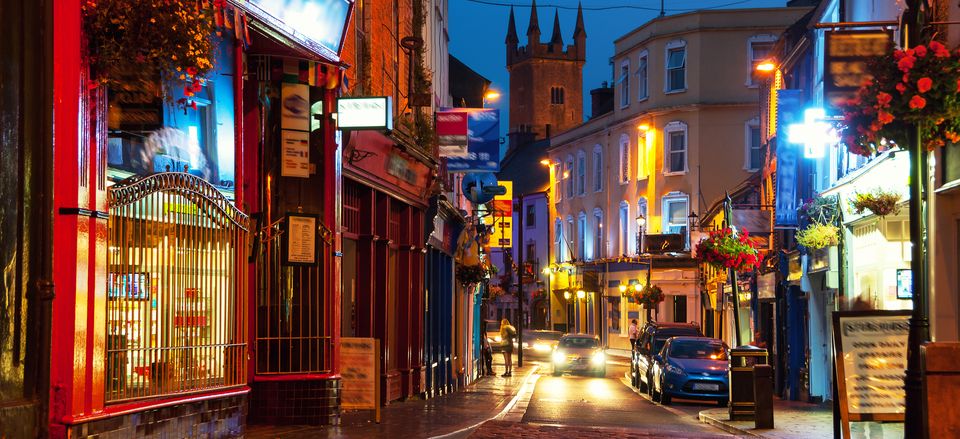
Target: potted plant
[650, 296]
[879, 201]
[495, 292]
[913, 87]
[818, 235]
[823, 209]
[724, 249]
[471, 274]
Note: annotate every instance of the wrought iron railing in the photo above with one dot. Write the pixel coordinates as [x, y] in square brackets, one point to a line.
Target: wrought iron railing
[176, 289]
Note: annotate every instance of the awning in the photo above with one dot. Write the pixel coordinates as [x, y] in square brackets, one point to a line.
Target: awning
[302, 45]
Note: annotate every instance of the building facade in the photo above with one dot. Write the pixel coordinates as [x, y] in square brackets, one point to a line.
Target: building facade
[684, 130]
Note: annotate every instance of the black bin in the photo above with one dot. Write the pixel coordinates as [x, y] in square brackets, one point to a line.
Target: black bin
[742, 359]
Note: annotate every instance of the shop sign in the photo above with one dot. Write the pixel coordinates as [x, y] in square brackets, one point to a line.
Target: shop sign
[871, 360]
[321, 22]
[360, 374]
[368, 113]
[399, 167]
[295, 107]
[452, 133]
[789, 104]
[767, 286]
[847, 54]
[483, 142]
[501, 220]
[295, 154]
[300, 239]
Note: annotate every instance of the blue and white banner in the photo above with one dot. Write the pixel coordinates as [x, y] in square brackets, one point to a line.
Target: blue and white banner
[483, 142]
[789, 111]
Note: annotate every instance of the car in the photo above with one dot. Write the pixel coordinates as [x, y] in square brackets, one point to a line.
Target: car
[691, 368]
[579, 353]
[652, 337]
[540, 343]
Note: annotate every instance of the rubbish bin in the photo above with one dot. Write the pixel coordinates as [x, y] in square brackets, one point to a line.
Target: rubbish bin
[742, 359]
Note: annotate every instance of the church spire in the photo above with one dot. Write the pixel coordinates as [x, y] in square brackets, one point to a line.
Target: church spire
[556, 38]
[512, 30]
[534, 27]
[579, 30]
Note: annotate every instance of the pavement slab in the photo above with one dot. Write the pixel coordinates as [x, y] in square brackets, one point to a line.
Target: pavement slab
[795, 420]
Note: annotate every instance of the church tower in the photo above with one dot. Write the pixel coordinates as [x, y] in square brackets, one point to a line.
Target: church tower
[546, 79]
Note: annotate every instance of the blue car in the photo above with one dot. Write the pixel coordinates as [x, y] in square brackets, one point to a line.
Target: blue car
[691, 368]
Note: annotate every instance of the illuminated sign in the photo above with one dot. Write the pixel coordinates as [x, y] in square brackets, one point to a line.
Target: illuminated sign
[373, 113]
[847, 55]
[320, 21]
[814, 134]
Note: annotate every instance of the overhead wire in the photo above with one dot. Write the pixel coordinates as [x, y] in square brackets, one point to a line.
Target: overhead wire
[607, 8]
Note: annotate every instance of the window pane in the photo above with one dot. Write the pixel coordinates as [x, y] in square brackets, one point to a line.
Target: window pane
[761, 50]
[676, 141]
[676, 161]
[677, 58]
[677, 212]
[677, 79]
[755, 149]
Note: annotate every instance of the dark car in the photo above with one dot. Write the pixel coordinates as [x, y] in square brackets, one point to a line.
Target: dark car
[652, 338]
[540, 343]
[579, 353]
[691, 368]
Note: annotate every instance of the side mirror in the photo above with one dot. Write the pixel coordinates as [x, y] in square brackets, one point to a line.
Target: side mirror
[657, 358]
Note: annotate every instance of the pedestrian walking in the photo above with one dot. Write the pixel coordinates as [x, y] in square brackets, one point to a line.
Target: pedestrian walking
[508, 334]
[634, 332]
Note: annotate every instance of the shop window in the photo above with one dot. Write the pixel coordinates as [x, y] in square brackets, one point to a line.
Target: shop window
[176, 296]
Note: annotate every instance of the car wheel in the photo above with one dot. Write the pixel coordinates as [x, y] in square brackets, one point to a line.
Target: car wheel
[723, 402]
[650, 389]
[654, 391]
[634, 378]
[642, 385]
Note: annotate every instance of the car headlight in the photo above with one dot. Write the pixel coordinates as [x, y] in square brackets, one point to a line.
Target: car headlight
[598, 358]
[541, 347]
[559, 357]
[674, 370]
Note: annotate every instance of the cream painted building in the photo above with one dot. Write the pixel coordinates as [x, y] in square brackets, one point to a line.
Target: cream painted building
[684, 129]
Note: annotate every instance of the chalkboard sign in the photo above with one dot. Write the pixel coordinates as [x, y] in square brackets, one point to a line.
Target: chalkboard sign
[847, 55]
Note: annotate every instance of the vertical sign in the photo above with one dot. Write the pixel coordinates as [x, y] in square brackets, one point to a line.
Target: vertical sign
[789, 104]
[502, 217]
[301, 239]
[295, 107]
[452, 133]
[847, 54]
[483, 142]
[295, 154]
[360, 372]
[871, 359]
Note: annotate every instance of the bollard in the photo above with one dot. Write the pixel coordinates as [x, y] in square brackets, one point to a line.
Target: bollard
[763, 396]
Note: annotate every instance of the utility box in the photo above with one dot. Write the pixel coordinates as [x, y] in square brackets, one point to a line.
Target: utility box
[742, 360]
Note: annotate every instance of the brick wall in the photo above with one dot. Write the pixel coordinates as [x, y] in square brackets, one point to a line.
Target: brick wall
[212, 418]
[382, 25]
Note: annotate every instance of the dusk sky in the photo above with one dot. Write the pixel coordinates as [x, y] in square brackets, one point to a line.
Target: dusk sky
[478, 29]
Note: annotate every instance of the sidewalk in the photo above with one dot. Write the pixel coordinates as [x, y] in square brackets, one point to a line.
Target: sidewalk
[791, 420]
[446, 414]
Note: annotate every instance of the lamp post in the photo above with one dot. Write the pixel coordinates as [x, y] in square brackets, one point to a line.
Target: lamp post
[520, 296]
[489, 96]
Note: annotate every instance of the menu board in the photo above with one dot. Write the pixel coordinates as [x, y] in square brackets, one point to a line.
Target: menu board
[871, 357]
[300, 243]
[360, 373]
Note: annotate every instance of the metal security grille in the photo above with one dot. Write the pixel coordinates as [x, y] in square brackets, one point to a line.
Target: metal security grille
[292, 331]
[176, 292]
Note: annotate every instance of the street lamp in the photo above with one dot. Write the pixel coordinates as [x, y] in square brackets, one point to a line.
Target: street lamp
[641, 222]
[581, 294]
[490, 96]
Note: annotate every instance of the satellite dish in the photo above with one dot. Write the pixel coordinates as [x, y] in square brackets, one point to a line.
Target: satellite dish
[479, 187]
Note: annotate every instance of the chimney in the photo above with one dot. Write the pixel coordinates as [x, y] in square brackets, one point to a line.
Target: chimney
[601, 100]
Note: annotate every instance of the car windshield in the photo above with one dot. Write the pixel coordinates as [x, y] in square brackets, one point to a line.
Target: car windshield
[698, 349]
[542, 335]
[578, 342]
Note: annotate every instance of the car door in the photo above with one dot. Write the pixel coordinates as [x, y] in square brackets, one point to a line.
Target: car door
[658, 365]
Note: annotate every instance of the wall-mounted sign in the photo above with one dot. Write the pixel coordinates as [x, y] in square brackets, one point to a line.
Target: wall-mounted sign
[401, 168]
[483, 142]
[295, 154]
[371, 113]
[295, 107]
[789, 104]
[847, 54]
[871, 359]
[321, 22]
[904, 284]
[300, 239]
[452, 133]
[501, 220]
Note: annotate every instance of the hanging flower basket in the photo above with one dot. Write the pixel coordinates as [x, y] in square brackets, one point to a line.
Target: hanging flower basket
[880, 202]
[650, 296]
[169, 38]
[723, 250]
[471, 274]
[821, 209]
[818, 235]
[917, 86]
[495, 292]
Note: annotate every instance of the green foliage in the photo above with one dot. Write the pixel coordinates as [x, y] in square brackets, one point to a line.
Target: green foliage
[818, 235]
[878, 201]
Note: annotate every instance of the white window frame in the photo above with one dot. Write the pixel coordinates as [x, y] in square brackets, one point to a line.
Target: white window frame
[597, 168]
[568, 176]
[675, 127]
[623, 83]
[642, 150]
[643, 76]
[581, 173]
[558, 240]
[675, 44]
[670, 198]
[748, 126]
[558, 181]
[751, 62]
[598, 249]
[623, 171]
[625, 221]
[582, 236]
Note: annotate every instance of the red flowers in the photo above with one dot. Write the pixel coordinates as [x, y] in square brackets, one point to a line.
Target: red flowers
[920, 51]
[884, 99]
[724, 250]
[906, 63]
[191, 71]
[884, 117]
[917, 103]
[902, 88]
[924, 84]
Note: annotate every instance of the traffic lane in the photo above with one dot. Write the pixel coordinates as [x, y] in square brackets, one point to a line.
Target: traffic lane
[685, 408]
[604, 403]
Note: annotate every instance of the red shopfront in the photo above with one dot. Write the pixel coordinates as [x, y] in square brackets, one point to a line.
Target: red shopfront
[385, 196]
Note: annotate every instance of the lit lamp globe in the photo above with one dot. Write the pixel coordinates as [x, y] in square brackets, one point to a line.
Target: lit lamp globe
[623, 288]
[566, 295]
[641, 221]
[581, 294]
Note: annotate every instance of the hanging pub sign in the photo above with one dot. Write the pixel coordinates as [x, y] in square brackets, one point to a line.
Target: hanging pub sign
[299, 243]
[789, 105]
[483, 142]
[452, 133]
[847, 54]
[871, 360]
[501, 220]
[367, 113]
